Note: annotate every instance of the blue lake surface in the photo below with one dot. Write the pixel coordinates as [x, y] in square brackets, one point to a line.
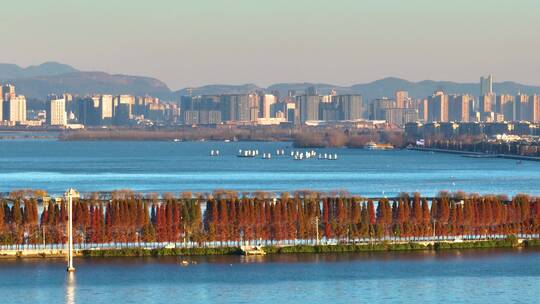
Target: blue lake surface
[467, 276]
[187, 166]
[455, 276]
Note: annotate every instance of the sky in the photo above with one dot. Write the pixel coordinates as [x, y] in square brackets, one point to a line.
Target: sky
[342, 42]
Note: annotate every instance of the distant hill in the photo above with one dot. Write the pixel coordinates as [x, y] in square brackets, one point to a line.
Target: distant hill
[13, 71]
[380, 88]
[52, 77]
[388, 86]
[85, 83]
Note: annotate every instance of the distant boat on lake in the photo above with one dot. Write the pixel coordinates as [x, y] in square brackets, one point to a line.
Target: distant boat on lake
[375, 146]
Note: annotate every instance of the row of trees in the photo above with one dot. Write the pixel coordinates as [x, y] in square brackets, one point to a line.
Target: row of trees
[228, 218]
[346, 138]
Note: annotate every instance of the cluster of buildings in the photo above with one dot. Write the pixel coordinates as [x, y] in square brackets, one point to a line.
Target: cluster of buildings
[119, 110]
[71, 111]
[261, 108]
[308, 107]
[12, 106]
[489, 107]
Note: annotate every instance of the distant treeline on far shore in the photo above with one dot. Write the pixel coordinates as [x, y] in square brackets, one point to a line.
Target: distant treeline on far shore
[301, 137]
[225, 217]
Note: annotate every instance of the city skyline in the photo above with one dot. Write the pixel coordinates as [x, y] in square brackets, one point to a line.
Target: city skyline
[192, 44]
[264, 107]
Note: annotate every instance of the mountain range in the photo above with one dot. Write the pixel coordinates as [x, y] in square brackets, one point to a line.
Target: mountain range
[52, 77]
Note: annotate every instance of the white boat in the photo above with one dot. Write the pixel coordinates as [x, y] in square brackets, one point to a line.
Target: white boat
[371, 145]
[246, 153]
[375, 146]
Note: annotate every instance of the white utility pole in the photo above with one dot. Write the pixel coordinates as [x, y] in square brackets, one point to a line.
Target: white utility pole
[69, 195]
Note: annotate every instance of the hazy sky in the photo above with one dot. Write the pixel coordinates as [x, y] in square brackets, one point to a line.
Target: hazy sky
[191, 43]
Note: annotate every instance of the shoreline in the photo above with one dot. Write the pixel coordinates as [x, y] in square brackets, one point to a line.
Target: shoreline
[476, 154]
[385, 246]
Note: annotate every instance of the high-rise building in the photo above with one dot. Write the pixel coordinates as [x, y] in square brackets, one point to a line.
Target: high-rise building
[438, 107]
[106, 109]
[8, 91]
[534, 108]
[486, 85]
[520, 107]
[123, 114]
[350, 107]
[253, 101]
[236, 107]
[70, 104]
[290, 110]
[486, 103]
[328, 111]
[206, 107]
[87, 112]
[56, 111]
[458, 108]
[401, 116]
[266, 105]
[122, 109]
[191, 117]
[505, 105]
[308, 108]
[379, 106]
[401, 97]
[15, 108]
[423, 109]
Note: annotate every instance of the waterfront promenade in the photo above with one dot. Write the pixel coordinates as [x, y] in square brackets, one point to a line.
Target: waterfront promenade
[82, 249]
[476, 154]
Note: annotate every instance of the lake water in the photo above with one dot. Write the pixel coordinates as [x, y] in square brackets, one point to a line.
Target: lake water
[468, 276]
[187, 166]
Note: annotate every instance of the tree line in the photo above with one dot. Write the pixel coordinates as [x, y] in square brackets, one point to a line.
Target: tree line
[483, 146]
[227, 218]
